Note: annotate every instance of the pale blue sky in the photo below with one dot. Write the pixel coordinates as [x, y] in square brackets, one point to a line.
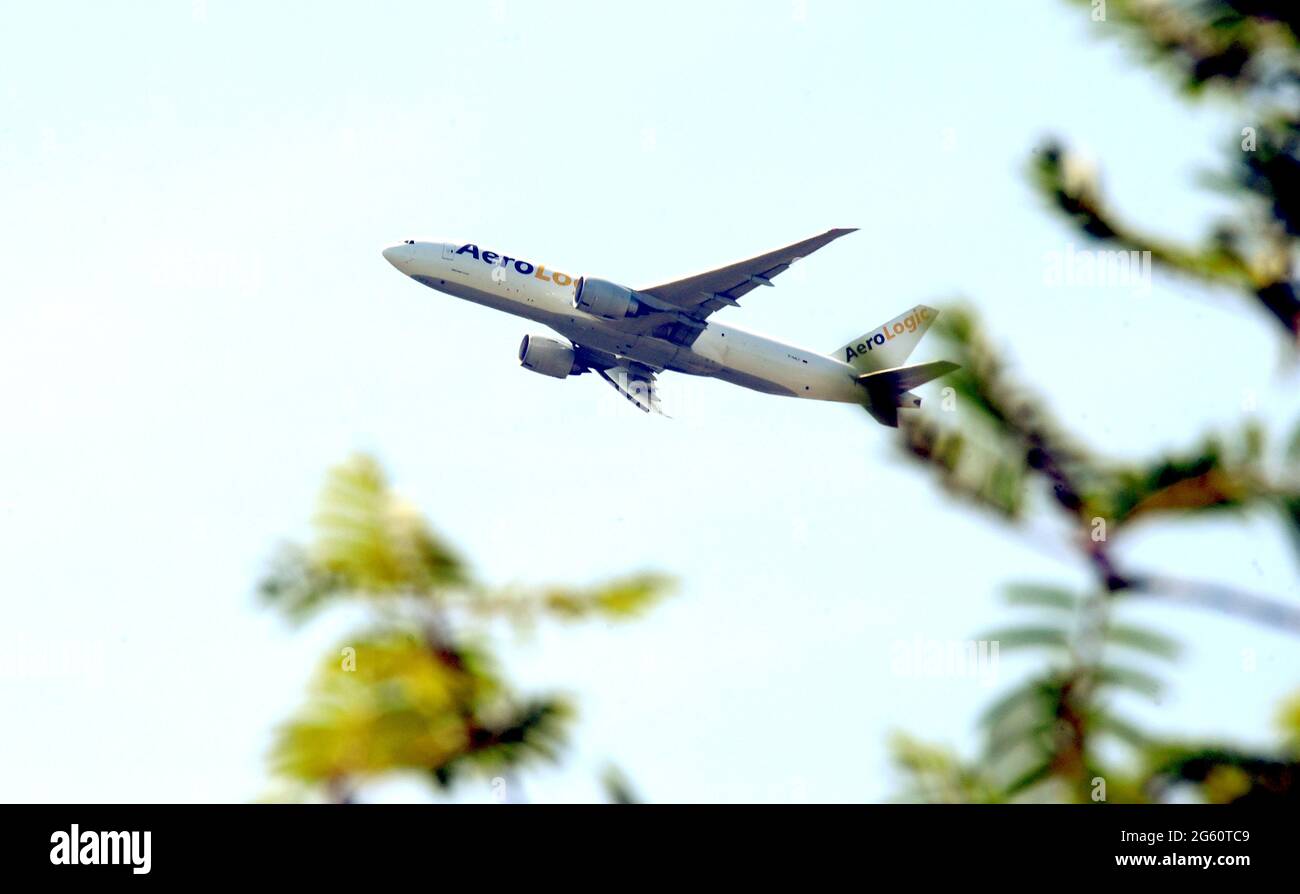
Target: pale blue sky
[195, 323]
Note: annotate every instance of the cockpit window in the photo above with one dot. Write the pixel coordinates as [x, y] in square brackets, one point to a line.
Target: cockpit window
[410, 241]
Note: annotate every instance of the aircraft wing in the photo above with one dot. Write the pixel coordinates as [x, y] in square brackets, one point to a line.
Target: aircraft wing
[702, 294]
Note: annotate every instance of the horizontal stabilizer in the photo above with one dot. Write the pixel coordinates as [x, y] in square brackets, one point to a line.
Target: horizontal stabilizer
[890, 389]
[909, 400]
[905, 378]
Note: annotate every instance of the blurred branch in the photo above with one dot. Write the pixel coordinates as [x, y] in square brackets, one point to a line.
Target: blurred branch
[1268, 276]
[1217, 597]
[622, 599]
[1004, 437]
[1238, 45]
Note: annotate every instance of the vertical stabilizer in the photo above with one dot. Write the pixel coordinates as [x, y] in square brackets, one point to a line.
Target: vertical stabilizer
[890, 344]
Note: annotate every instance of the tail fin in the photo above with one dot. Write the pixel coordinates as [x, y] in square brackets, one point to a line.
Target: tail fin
[889, 345]
[889, 389]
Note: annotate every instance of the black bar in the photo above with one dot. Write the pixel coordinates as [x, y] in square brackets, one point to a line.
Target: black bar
[330, 843]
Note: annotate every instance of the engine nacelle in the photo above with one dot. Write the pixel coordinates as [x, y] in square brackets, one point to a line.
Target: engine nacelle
[604, 298]
[548, 356]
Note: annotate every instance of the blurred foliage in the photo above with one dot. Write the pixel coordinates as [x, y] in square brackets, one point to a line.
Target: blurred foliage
[1004, 441]
[1060, 732]
[1053, 728]
[1249, 50]
[419, 688]
[1240, 46]
[1059, 736]
[618, 789]
[938, 776]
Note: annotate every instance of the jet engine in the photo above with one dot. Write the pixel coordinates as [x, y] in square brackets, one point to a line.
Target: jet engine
[548, 356]
[605, 299]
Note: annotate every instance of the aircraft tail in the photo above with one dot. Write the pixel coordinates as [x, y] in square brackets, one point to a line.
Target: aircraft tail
[888, 390]
[889, 345]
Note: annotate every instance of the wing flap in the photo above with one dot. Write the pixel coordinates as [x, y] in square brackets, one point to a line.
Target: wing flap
[635, 383]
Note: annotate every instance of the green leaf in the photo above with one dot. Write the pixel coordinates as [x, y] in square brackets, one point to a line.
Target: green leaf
[1118, 676]
[1290, 507]
[1142, 640]
[618, 788]
[1032, 732]
[296, 586]
[512, 736]
[1038, 695]
[618, 600]
[1293, 446]
[625, 598]
[1126, 731]
[1030, 778]
[1041, 636]
[1042, 596]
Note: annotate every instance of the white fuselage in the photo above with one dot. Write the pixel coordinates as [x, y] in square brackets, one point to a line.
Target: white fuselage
[536, 292]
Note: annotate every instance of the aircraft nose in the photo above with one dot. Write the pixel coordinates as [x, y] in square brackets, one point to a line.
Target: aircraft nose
[398, 255]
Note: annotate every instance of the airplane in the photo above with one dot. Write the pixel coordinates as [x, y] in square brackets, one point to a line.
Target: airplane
[628, 336]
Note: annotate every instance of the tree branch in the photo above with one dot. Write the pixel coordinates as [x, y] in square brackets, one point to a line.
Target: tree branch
[1228, 600]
